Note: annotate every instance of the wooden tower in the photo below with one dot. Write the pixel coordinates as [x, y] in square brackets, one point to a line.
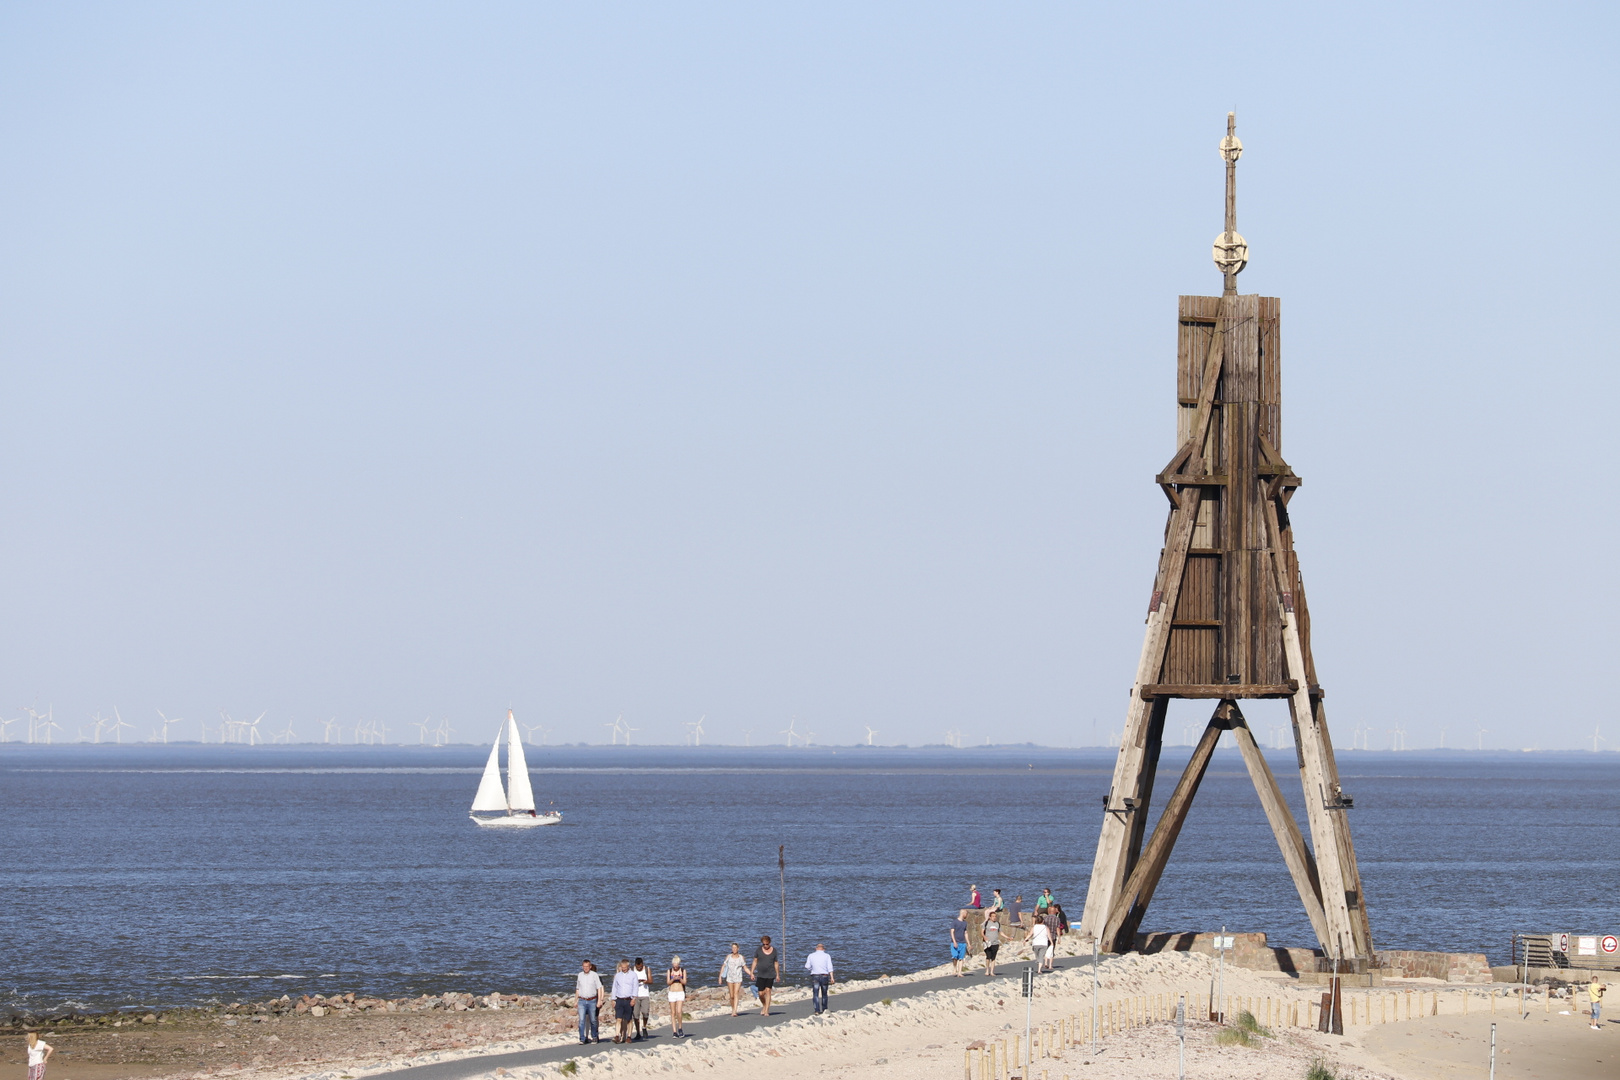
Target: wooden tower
[1227, 621]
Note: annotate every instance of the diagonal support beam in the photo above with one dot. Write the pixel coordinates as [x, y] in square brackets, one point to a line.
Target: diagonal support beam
[1120, 932]
[1324, 811]
[1301, 865]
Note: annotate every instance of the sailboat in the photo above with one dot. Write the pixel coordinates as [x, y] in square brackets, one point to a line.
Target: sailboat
[514, 803]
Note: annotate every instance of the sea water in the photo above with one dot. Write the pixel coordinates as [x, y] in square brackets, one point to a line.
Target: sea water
[172, 875]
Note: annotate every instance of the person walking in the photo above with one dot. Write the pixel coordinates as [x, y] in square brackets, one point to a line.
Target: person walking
[1053, 921]
[624, 1000]
[731, 974]
[1040, 941]
[820, 966]
[643, 997]
[675, 979]
[992, 943]
[1594, 991]
[1015, 915]
[588, 998]
[763, 970]
[958, 928]
[39, 1052]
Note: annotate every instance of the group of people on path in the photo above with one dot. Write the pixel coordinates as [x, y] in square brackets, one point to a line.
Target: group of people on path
[632, 985]
[1047, 929]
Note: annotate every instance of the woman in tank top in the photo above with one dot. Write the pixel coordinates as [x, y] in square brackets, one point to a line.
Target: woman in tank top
[39, 1052]
[676, 978]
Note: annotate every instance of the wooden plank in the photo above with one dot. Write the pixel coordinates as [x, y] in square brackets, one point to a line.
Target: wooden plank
[1119, 934]
[1301, 866]
[1223, 690]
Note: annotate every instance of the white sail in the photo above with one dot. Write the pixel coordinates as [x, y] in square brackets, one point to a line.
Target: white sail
[519, 794]
[490, 796]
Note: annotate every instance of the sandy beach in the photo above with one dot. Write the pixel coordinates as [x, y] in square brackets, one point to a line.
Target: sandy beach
[910, 1027]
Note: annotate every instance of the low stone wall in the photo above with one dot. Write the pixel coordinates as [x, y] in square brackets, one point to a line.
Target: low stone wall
[1248, 951]
[1452, 967]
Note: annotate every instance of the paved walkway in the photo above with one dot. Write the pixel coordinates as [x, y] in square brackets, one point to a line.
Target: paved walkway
[724, 1024]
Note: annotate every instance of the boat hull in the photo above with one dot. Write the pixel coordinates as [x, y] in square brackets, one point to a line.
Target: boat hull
[515, 821]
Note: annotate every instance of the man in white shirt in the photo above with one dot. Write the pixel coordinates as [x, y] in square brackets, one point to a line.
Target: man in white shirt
[624, 1000]
[588, 995]
[820, 966]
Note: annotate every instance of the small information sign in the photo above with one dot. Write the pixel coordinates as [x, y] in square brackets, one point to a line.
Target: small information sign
[1223, 942]
[1586, 946]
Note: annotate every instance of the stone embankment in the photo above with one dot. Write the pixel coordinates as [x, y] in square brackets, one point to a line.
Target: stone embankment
[316, 1005]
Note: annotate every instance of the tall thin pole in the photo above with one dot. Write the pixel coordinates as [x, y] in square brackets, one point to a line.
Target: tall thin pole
[781, 872]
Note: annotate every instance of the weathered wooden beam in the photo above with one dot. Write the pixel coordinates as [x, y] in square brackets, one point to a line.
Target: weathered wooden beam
[1226, 690]
[1199, 479]
[1120, 932]
[1301, 865]
[1322, 805]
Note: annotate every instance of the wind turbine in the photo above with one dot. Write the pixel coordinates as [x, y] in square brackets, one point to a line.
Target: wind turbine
[869, 733]
[5, 724]
[953, 737]
[613, 736]
[379, 728]
[253, 736]
[422, 727]
[789, 731]
[748, 736]
[444, 732]
[50, 725]
[1482, 733]
[1596, 738]
[166, 723]
[627, 730]
[286, 736]
[528, 732]
[329, 725]
[118, 725]
[695, 731]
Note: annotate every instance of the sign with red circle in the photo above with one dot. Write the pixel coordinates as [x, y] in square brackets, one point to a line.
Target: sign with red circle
[1611, 944]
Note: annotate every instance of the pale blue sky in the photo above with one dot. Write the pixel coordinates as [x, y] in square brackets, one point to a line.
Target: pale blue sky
[765, 360]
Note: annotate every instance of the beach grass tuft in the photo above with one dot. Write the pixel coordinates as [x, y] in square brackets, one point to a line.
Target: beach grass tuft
[1248, 1023]
[1234, 1036]
[1319, 1071]
[569, 1067]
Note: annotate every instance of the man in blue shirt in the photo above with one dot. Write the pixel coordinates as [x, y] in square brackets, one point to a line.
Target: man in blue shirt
[820, 966]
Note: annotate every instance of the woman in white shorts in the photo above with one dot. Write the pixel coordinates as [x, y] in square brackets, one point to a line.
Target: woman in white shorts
[676, 978]
[731, 974]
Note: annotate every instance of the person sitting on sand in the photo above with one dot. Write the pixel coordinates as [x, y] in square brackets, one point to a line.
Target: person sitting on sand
[958, 928]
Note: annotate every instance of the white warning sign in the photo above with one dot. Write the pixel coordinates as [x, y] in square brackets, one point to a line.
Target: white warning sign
[1586, 946]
